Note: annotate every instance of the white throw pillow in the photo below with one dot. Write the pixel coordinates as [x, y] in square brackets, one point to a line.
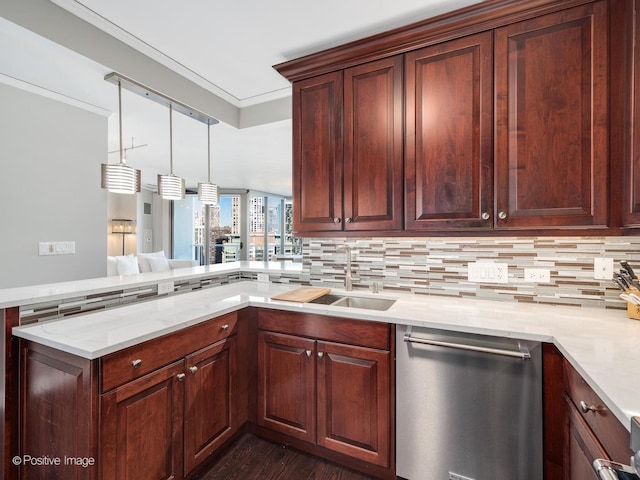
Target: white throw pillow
[127, 264]
[159, 264]
[143, 260]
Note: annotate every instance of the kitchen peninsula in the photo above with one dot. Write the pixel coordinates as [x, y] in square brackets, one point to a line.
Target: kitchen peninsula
[601, 345]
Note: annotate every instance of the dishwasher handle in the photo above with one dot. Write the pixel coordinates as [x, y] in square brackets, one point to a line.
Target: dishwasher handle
[523, 352]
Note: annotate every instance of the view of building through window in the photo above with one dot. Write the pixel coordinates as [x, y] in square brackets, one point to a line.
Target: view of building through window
[269, 229]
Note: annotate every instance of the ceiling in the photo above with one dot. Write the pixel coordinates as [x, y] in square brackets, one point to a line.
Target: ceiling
[225, 48]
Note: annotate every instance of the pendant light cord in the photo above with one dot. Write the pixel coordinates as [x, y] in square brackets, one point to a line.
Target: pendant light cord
[120, 119]
[208, 152]
[170, 139]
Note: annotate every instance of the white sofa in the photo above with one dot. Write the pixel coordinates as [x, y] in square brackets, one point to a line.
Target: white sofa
[144, 262]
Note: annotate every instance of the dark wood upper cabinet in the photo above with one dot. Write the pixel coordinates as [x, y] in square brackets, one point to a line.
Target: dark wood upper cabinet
[516, 118]
[631, 173]
[448, 135]
[317, 153]
[551, 120]
[373, 180]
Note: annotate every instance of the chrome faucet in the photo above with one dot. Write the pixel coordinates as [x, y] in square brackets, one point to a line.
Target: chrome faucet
[348, 278]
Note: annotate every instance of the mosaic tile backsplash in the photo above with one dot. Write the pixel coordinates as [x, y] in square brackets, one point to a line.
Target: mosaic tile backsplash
[439, 266]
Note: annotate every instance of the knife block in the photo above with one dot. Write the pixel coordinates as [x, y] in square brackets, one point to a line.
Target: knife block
[633, 311]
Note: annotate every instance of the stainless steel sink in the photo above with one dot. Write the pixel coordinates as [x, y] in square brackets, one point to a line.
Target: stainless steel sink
[380, 304]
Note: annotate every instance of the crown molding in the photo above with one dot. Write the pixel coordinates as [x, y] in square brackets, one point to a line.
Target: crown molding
[43, 92]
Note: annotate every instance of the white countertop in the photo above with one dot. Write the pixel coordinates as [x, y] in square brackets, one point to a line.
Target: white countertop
[12, 297]
[603, 345]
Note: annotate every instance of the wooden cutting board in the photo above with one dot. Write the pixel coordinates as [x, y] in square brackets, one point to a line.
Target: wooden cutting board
[302, 294]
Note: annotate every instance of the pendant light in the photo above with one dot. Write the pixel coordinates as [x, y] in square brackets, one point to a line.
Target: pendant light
[170, 186]
[207, 191]
[120, 177]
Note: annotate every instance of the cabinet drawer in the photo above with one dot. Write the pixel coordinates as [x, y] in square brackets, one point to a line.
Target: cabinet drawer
[344, 330]
[613, 436]
[133, 362]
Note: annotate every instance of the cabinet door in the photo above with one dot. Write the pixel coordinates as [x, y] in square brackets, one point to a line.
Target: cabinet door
[373, 146]
[317, 154]
[142, 427]
[354, 397]
[448, 153]
[583, 447]
[286, 385]
[210, 400]
[551, 120]
[631, 177]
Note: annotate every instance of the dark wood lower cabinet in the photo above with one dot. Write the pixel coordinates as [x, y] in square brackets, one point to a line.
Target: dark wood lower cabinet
[142, 427]
[58, 424]
[210, 416]
[354, 401]
[583, 447]
[336, 396]
[286, 384]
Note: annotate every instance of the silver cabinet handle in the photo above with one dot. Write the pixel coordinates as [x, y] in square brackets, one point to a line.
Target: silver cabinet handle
[320, 354]
[502, 215]
[588, 408]
[486, 216]
[308, 352]
[136, 363]
[225, 327]
[336, 220]
[193, 369]
[347, 220]
[180, 377]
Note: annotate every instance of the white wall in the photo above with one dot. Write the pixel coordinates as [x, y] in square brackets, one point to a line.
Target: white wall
[42, 142]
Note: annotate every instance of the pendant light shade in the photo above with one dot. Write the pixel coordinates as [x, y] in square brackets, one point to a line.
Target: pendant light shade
[120, 177]
[207, 191]
[170, 186]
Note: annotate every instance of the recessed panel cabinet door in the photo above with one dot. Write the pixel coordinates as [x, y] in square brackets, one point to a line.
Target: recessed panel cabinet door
[142, 425]
[210, 401]
[317, 153]
[373, 145]
[448, 153]
[354, 401]
[551, 118]
[286, 385]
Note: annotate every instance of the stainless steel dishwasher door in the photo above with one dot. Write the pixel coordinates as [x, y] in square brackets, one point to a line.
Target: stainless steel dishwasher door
[467, 414]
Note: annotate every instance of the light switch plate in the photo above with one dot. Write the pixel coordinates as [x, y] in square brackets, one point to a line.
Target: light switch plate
[602, 268]
[488, 272]
[57, 248]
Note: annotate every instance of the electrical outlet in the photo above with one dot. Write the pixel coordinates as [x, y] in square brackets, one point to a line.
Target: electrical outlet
[486, 272]
[537, 275]
[263, 277]
[602, 268]
[165, 287]
[56, 248]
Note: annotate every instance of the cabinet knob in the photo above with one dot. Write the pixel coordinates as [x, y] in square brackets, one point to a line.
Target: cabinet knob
[336, 220]
[502, 215]
[136, 363]
[588, 408]
[486, 216]
[193, 369]
[320, 354]
[347, 220]
[180, 377]
[225, 327]
[308, 352]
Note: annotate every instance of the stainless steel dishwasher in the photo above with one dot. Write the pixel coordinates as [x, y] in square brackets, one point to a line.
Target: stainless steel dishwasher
[468, 407]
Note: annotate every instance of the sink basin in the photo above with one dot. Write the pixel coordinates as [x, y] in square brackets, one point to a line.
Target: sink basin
[369, 303]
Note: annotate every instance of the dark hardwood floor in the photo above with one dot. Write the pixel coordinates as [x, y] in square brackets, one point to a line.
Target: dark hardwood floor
[251, 458]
